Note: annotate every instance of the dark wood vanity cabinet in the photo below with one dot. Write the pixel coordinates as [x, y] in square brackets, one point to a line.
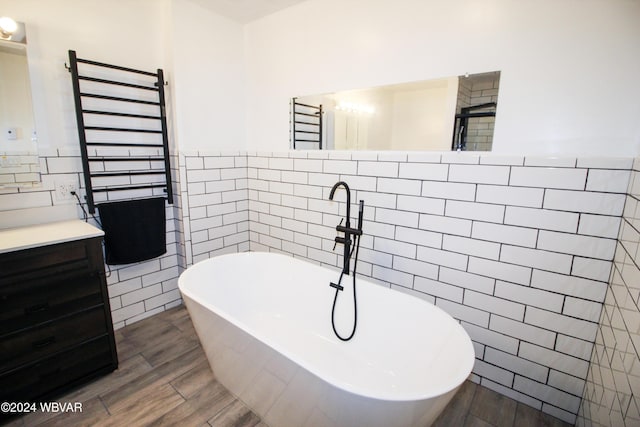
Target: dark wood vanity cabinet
[55, 320]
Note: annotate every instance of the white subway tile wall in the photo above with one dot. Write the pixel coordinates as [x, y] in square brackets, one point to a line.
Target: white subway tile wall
[137, 290]
[518, 249]
[215, 202]
[19, 170]
[612, 392]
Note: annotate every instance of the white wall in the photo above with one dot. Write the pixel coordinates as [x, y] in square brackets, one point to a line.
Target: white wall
[207, 53]
[568, 82]
[122, 32]
[200, 52]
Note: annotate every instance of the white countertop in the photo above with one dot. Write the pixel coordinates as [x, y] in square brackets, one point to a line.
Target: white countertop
[15, 239]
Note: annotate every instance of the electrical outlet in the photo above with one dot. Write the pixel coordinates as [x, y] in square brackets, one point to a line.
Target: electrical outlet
[64, 190]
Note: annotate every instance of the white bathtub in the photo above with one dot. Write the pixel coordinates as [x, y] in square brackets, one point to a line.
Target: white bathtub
[264, 321]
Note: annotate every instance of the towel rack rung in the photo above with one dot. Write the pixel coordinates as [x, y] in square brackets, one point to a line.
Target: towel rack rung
[126, 159]
[298, 122]
[128, 187]
[117, 83]
[307, 114]
[118, 98]
[129, 173]
[315, 107]
[116, 67]
[112, 129]
[112, 113]
[123, 144]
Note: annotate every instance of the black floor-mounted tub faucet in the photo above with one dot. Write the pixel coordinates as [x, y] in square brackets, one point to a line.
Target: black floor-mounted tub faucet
[346, 229]
[351, 245]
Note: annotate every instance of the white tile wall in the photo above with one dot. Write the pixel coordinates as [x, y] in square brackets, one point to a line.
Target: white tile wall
[223, 226]
[612, 392]
[518, 249]
[19, 170]
[510, 196]
[552, 177]
[137, 290]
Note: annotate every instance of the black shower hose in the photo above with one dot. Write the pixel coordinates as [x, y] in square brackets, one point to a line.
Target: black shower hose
[355, 300]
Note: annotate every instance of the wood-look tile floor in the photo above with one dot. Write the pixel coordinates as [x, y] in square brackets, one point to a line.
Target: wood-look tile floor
[164, 380]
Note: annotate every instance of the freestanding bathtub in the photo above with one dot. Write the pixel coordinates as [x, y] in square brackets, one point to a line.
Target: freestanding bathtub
[264, 321]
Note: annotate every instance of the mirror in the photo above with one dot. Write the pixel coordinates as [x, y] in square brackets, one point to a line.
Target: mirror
[451, 113]
[19, 163]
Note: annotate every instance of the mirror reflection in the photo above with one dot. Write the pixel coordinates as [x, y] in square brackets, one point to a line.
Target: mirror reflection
[452, 113]
[19, 165]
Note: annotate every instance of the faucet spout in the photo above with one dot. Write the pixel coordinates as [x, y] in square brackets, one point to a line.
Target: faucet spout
[346, 187]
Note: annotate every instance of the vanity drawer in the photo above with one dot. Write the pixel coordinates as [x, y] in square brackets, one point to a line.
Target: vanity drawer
[46, 260]
[60, 371]
[29, 345]
[28, 303]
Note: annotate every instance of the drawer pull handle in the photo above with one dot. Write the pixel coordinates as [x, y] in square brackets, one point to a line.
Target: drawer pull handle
[37, 308]
[45, 342]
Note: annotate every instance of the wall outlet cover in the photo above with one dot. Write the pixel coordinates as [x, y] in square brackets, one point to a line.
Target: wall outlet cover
[64, 190]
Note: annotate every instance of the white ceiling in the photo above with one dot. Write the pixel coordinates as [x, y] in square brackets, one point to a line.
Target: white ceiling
[245, 11]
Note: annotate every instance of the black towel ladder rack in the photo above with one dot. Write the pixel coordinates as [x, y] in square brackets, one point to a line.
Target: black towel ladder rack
[89, 146]
[306, 123]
